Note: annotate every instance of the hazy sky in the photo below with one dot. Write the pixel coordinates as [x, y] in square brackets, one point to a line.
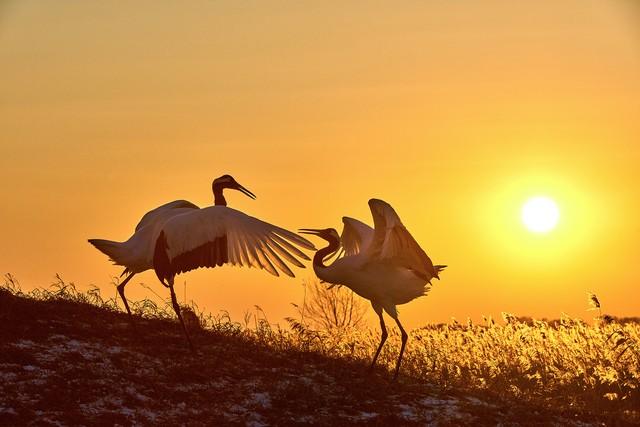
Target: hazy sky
[453, 112]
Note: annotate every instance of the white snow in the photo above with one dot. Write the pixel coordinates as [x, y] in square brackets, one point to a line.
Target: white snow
[367, 415]
[262, 399]
[24, 344]
[408, 412]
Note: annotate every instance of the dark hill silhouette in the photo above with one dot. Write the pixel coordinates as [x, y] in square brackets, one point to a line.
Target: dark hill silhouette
[66, 361]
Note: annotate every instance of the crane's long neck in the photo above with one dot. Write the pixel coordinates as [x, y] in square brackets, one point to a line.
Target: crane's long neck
[318, 258]
[218, 197]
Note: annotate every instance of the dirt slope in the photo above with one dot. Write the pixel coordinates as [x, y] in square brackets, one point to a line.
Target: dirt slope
[64, 362]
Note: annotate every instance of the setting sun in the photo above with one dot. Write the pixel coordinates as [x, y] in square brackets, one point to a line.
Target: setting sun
[540, 214]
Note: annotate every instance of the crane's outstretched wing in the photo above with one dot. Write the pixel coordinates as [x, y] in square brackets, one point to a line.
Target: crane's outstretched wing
[219, 235]
[392, 242]
[164, 212]
[356, 236]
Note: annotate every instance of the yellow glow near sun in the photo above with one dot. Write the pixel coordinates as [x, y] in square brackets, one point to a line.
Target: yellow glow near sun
[521, 239]
[540, 214]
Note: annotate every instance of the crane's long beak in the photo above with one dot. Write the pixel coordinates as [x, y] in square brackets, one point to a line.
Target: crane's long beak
[245, 191]
[313, 231]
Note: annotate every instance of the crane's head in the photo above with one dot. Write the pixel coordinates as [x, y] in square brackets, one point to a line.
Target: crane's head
[227, 181]
[331, 236]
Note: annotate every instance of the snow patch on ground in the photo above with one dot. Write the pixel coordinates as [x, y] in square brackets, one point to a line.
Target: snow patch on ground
[367, 415]
[23, 344]
[261, 399]
[408, 412]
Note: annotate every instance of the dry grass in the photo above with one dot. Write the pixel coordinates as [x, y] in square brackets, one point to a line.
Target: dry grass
[569, 365]
[563, 364]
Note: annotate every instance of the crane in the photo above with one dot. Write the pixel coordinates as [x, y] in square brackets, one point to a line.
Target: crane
[138, 252]
[383, 264]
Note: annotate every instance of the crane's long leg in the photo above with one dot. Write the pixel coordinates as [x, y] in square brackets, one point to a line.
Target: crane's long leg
[383, 337]
[126, 303]
[405, 337]
[121, 292]
[176, 308]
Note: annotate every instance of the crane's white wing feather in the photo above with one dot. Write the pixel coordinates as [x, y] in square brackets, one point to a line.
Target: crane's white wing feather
[164, 212]
[136, 254]
[220, 235]
[356, 236]
[392, 242]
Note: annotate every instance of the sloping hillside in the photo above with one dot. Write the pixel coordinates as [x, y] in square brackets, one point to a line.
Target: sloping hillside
[68, 362]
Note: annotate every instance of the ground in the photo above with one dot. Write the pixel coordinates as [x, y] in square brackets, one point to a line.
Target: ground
[70, 363]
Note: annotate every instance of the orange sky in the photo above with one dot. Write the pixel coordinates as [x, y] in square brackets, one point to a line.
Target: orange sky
[453, 112]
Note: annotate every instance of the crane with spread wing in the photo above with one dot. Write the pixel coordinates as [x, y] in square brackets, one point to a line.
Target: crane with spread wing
[383, 264]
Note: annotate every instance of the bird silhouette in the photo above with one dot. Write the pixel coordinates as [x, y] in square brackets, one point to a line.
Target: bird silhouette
[383, 264]
[179, 237]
